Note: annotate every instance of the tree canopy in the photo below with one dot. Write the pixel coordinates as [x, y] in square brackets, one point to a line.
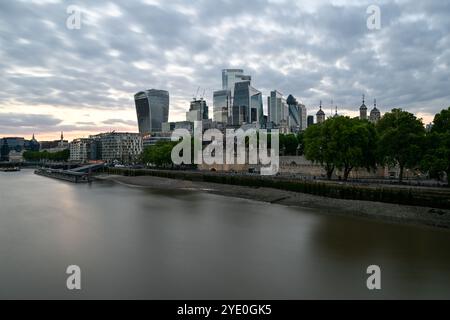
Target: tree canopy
[342, 143]
[401, 140]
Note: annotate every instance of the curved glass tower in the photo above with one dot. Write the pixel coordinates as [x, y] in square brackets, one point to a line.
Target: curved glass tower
[152, 108]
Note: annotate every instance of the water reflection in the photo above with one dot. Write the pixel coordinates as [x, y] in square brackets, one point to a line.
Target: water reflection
[140, 243]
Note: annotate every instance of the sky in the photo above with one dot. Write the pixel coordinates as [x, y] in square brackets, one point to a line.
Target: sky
[82, 81]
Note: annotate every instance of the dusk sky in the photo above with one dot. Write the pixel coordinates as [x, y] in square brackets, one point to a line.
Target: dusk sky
[82, 81]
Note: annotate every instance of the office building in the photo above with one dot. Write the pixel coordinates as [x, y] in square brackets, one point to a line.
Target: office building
[198, 111]
[222, 106]
[119, 147]
[310, 121]
[232, 76]
[247, 104]
[83, 150]
[278, 108]
[152, 109]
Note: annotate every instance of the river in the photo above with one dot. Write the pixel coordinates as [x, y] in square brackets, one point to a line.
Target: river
[135, 243]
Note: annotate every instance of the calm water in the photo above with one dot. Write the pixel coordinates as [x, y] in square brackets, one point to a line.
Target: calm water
[138, 243]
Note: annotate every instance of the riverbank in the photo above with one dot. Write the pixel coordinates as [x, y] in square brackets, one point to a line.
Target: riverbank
[386, 212]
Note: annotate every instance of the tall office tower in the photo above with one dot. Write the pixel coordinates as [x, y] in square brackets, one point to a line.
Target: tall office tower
[303, 117]
[222, 106]
[310, 121]
[278, 108]
[294, 113]
[232, 76]
[152, 108]
[248, 98]
[198, 111]
[363, 110]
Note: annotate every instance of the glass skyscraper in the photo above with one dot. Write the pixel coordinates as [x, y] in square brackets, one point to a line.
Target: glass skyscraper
[278, 108]
[232, 76]
[222, 106]
[152, 108]
[248, 101]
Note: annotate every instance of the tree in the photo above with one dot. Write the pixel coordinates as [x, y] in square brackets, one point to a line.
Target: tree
[319, 147]
[289, 144]
[401, 139]
[355, 144]
[437, 156]
[159, 154]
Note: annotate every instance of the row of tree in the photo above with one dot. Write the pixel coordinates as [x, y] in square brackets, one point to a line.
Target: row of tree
[398, 139]
[45, 155]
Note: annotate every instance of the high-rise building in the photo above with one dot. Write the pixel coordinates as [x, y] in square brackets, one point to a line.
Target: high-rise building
[152, 108]
[294, 113]
[278, 108]
[198, 111]
[222, 106]
[247, 104]
[310, 121]
[363, 109]
[232, 76]
[303, 117]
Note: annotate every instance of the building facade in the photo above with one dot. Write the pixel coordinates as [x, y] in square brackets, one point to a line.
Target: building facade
[120, 147]
[83, 150]
[221, 105]
[247, 105]
[278, 108]
[152, 109]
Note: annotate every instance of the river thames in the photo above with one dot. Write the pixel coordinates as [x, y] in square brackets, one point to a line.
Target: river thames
[136, 243]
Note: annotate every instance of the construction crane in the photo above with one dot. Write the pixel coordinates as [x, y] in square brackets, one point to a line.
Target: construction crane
[195, 97]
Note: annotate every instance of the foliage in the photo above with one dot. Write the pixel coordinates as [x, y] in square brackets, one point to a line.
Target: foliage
[159, 154]
[401, 140]
[437, 156]
[319, 146]
[45, 155]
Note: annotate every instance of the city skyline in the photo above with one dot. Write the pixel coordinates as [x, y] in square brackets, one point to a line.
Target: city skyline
[83, 81]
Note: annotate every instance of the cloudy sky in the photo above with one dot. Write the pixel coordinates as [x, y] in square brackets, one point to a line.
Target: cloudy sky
[82, 81]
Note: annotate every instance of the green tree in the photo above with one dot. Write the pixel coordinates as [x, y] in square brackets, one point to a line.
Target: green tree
[355, 144]
[401, 140]
[437, 157]
[159, 154]
[319, 147]
[289, 144]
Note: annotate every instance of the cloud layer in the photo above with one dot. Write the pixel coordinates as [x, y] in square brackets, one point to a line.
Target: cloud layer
[84, 80]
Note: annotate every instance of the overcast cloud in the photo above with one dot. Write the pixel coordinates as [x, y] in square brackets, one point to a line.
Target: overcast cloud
[83, 81]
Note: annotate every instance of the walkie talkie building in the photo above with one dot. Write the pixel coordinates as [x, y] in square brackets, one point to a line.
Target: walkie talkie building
[152, 108]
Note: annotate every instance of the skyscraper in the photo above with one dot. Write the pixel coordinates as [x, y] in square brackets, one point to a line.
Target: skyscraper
[198, 111]
[278, 108]
[294, 113]
[232, 76]
[303, 117]
[152, 108]
[247, 103]
[222, 106]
